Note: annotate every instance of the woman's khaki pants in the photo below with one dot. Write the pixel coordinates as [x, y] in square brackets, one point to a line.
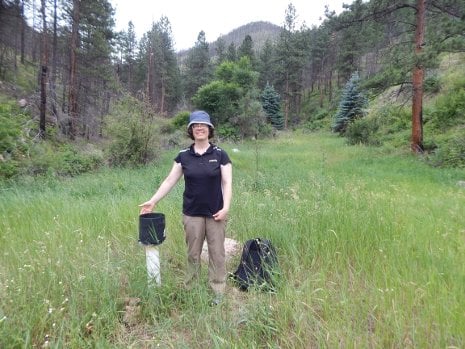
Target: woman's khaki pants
[197, 229]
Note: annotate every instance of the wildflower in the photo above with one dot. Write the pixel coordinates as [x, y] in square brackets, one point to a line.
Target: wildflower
[89, 327]
[46, 342]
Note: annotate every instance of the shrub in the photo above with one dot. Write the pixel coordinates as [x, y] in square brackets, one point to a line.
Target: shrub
[46, 158]
[317, 120]
[450, 152]
[449, 109]
[181, 120]
[13, 146]
[133, 130]
[432, 84]
[10, 128]
[227, 131]
[8, 168]
[21, 154]
[250, 118]
[132, 143]
[177, 139]
[363, 131]
[73, 162]
[393, 124]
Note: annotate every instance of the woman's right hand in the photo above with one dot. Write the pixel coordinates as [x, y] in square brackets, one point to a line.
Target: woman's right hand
[146, 207]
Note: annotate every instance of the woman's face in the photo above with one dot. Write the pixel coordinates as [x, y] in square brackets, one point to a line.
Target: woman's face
[200, 131]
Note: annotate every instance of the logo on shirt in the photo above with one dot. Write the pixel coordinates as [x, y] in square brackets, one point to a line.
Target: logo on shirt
[212, 160]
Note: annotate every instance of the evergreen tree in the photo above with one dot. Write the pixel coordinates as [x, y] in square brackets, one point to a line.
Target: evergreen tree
[271, 104]
[246, 50]
[290, 60]
[351, 106]
[221, 53]
[352, 40]
[198, 68]
[127, 43]
[232, 54]
[320, 64]
[163, 74]
[94, 75]
[266, 67]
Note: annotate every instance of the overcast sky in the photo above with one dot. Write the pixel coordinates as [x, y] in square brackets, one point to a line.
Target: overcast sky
[214, 17]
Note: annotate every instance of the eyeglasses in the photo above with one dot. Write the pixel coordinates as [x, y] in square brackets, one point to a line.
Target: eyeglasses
[199, 126]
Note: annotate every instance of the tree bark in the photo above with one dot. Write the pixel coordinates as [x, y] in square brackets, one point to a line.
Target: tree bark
[54, 64]
[23, 31]
[43, 73]
[73, 88]
[149, 78]
[162, 97]
[286, 102]
[417, 80]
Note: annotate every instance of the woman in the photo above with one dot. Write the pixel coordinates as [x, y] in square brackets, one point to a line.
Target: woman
[207, 172]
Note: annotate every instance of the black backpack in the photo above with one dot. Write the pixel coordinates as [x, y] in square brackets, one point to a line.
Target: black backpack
[257, 266]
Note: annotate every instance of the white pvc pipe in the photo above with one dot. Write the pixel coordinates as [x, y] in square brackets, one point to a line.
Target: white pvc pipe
[152, 257]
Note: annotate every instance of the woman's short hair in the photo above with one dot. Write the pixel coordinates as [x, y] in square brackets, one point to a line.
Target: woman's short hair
[211, 132]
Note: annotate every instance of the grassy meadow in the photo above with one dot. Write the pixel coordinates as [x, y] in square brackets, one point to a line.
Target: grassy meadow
[370, 241]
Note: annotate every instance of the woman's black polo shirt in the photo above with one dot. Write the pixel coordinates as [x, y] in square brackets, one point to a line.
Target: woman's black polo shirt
[203, 195]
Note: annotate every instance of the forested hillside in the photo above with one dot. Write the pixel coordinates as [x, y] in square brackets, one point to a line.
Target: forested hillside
[260, 32]
[379, 73]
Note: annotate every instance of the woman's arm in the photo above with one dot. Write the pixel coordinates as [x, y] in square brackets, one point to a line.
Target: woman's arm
[226, 184]
[164, 189]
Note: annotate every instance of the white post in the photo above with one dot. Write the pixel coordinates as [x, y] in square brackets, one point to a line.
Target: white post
[152, 256]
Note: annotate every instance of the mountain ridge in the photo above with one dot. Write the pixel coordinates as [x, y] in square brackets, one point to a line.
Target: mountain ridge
[259, 31]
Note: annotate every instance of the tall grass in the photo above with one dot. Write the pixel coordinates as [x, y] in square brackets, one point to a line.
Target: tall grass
[370, 244]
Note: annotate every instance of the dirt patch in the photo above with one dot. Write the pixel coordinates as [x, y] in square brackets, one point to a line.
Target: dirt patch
[132, 311]
[231, 247]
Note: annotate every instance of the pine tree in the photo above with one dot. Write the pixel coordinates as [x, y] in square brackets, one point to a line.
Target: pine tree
[291, 54]
[198, 70]
[272, 106]
[221, 53]
[246, 50]
[163, 77]
[127, 43]
[266, 65]
[231, 55]
[351, 106]
[94, 75]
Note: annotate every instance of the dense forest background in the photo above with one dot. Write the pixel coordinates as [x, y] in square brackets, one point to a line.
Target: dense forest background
[76, 95]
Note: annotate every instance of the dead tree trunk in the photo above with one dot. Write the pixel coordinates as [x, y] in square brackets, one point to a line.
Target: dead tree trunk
[417, 80]
[54, 64]
[43, 73]
[73, 86]
[23, 31]
[286, 103]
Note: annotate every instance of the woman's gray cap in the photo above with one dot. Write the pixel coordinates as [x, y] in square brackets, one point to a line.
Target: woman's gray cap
[199, 117]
